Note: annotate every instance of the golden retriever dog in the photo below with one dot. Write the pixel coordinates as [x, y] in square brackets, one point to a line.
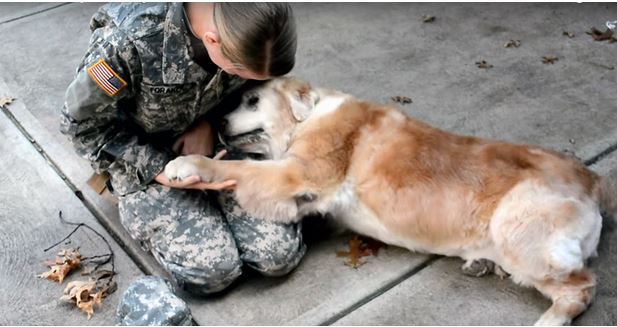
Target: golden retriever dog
[534, 213]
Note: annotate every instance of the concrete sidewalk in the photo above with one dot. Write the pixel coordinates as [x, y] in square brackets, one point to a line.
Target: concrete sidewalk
[374, 51]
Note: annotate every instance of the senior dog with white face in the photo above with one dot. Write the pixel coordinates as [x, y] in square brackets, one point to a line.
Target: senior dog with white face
[533, 212]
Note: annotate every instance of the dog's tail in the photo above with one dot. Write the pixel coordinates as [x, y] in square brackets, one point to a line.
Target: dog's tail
[608, 197]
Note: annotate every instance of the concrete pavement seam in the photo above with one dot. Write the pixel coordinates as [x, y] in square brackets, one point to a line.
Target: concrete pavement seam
[136, 259]
[33, 13]
[380, 291]
[603, 154]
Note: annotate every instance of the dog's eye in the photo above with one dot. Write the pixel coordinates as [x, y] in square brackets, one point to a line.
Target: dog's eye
[253, 101]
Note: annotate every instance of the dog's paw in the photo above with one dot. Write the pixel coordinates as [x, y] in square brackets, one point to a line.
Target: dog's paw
[478, 268]
[182, 167]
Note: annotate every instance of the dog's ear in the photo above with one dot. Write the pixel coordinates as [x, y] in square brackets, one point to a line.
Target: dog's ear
[302, 100]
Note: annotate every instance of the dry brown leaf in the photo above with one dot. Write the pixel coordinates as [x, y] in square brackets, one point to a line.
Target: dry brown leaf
[568, 34]
[84, 295]
[549, 60]
[357, 250]
[66, 261]
[428, 19]
[483, 64]
[6, 100]
[401, 99]
[88, 306]
[598, 35]
[359, 247]
[512, 44]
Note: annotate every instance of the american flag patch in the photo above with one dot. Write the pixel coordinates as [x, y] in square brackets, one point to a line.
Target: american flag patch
[106, 78]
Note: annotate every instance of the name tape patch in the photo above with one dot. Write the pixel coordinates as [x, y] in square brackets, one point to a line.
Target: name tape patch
[165, 89]
[106, 78]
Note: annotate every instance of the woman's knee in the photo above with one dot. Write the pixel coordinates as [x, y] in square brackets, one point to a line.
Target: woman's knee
[206, 279]
[186, 234]
[281, 260]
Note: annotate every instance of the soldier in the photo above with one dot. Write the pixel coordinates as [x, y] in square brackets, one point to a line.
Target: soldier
[143, 94]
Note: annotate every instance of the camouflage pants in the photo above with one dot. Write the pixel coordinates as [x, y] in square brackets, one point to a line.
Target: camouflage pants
[149, 301]
[203, 241]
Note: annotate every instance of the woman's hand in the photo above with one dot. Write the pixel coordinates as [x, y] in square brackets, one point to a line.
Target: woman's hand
[194, 182]
[197, 140]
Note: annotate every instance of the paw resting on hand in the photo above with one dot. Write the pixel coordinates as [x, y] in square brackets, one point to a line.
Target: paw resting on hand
[183, 167]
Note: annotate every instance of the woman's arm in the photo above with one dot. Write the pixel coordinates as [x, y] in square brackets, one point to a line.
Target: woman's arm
[90, 115]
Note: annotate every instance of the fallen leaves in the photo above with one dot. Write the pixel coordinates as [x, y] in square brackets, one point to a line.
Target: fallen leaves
[512, 44]
[66, 261]
[428, 18]
[355, 253]
[483, 64]
[6, 100]
[401, 99]
[360, 247]
[598, 35]
[83, 294]
[549, 60]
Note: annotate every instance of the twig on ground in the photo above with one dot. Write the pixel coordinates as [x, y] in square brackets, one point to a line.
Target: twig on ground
[110, 256]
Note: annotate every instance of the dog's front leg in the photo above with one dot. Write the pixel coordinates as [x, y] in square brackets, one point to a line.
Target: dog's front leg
[268, 189]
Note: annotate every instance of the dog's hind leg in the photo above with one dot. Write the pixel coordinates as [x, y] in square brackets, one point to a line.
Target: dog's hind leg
[543, 239]
[570, 297]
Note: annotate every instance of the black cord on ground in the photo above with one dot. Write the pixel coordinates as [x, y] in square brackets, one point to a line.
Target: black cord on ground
[110, 256]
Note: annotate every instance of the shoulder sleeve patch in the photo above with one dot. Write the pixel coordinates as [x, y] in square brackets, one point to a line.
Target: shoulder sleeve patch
[106, 78]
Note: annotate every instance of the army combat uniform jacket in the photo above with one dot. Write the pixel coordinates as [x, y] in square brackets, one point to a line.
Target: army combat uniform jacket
[137, 89]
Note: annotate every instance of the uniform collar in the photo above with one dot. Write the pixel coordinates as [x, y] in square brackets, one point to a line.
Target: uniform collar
[187, 23]
[177, 65]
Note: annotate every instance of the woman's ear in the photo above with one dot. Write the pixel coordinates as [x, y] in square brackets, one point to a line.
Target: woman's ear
[211, 38]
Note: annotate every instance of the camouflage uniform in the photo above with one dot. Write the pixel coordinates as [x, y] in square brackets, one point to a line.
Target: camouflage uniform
[161, 307]
[125, 125]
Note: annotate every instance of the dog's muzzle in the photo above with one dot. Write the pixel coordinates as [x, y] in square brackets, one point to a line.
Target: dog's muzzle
[255, 141]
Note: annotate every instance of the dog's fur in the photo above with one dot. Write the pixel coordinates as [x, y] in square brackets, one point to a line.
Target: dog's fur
[533, 212]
